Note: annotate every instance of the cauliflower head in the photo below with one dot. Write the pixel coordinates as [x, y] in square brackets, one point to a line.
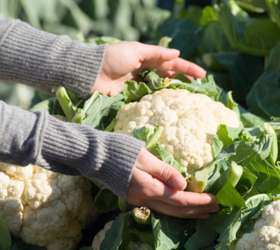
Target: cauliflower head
[44, 208]
[189, 122]
[266, 232]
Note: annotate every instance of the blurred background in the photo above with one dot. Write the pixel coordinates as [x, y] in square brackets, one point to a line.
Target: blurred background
[231, 39]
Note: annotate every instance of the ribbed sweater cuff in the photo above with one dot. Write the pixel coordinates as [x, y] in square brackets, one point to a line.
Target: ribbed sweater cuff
[46, 60]
[105, 157]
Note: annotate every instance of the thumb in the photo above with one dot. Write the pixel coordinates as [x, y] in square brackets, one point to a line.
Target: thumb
[157, 53]
[160, 170]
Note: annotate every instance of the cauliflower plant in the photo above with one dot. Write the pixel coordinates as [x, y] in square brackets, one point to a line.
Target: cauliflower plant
[266, 232]
[189, 122]
[44, 208]
[100, 236]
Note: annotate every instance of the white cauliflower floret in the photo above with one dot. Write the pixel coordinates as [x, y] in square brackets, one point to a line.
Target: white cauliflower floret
[266, 232]
[189, 122]
[44, 208]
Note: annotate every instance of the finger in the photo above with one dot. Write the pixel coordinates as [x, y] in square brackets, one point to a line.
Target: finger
[153, 53]
[189, 68]
[203, 209]
[145, 190]
[172, 74]
[160, 170]
[175, 212]
[163, 193]
[146, 187]
[143, 187]
[116, 88]
[190, 199]
[192, 209]
[180, 65]
[154, 189]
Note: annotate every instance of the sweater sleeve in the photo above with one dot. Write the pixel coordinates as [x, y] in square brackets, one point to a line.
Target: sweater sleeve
[44, 60]
[67, 148]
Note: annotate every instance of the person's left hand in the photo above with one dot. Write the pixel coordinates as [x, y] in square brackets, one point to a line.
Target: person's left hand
[123, 61]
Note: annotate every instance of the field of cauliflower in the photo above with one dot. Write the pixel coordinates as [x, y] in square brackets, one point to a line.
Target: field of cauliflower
[221, 132]
[194, 126]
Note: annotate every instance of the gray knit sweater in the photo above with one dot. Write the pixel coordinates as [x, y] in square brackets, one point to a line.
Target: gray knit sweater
[44, 61]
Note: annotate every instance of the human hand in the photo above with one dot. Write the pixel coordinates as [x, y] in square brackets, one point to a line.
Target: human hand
[123, 61]
[160, 187]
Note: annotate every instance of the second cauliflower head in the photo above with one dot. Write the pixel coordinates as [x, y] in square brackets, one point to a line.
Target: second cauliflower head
[189, 122]
[266, 232]
[44, 208]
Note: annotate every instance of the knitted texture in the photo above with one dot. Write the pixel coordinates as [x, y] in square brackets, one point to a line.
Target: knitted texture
[45, 60]
[98, 155]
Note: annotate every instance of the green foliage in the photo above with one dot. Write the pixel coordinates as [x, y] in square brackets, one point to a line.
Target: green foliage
[5, 237]
[133, 91]
[184, 34]
[243, 176]
[150, 81]
[125, 234]
[232, 40]
[151, 136]
[273, 7]
[98, 111]
[206, 86]
[226, 224]
[105, 201]
[113, 238]
[255, 36]
[263, 98]
[257, 6]
[20, 245]
[164, 234]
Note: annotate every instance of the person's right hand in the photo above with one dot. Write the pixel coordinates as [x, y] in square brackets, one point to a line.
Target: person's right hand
[156, 185]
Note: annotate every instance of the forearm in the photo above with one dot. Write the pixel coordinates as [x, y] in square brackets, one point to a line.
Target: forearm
[45, 60]
[66, 147]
